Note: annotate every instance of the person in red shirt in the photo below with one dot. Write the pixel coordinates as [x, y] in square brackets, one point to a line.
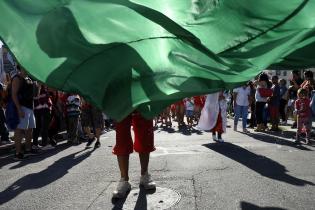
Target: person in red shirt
[303, 112]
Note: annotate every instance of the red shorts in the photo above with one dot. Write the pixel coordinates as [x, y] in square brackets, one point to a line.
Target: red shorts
[143, 131]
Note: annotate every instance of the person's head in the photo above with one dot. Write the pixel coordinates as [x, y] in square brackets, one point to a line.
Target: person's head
[295, 74]
[282, 82]
[302, 93]
[308, 75]
[275, 79]
[263, 77]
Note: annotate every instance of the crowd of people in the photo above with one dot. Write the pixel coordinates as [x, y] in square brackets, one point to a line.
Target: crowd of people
[260, 102]
[38, 114]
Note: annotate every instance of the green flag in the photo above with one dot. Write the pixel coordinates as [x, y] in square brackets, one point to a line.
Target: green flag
[124, 55]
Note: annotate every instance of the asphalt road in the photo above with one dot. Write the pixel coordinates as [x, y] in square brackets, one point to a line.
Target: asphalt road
[254, 171]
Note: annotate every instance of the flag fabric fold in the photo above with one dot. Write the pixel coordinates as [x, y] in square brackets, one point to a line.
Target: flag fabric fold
[124, 55]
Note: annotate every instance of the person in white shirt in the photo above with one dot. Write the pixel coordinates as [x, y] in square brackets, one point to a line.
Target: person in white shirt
[241, 103]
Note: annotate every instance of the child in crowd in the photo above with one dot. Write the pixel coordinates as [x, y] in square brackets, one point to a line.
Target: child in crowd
[303, 112]
[189, 105]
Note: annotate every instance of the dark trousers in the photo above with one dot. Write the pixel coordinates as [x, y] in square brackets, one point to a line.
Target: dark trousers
[42, 117]
[260, 112]
[252, 121]
[3, 127]
[283, 103]
[73, 128]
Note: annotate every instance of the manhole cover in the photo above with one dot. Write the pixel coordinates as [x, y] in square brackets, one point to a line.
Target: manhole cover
[162, 198]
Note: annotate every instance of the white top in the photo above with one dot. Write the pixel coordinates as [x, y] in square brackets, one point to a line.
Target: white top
[210, 112]
[242, 96]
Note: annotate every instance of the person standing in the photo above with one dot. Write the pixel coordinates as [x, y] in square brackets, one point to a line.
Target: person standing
[22, 96]
[42, 111]
[73, 111]
[213, 115]
[4, 132]
[189, 106]
[274, 104]
[296, 82]
[309, 83]
[92, 119]
[252, 123]
[241, 101]
[303, 112]
[284, 96]
[143, 144]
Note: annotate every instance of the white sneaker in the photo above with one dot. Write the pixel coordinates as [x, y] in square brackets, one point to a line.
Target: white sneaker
[147, 182]
[122, 189]
[220, 140]
[214, 138]
[48, 147]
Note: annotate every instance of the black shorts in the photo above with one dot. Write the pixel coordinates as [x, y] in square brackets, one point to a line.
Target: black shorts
[92, 118]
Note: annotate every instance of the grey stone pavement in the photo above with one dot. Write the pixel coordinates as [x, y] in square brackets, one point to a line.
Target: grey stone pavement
[254, 171]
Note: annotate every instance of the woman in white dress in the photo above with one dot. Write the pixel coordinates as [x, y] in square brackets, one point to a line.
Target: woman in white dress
[213, 115]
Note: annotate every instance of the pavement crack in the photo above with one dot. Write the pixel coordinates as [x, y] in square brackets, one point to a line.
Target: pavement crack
[91, 204]
[195, 192]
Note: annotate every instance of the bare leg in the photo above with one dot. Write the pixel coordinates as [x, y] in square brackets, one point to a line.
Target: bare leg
[18, 135]
[123, 162]
[28, 139]
[98, 132]
[144, 162]
[87, 131]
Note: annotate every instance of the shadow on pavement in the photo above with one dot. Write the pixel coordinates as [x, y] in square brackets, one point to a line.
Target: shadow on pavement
[141, 203]
[278, 139]
[8, 159]
[42, 156]
[258, 163]
[40, 179]
[182, 130]
[249, 206]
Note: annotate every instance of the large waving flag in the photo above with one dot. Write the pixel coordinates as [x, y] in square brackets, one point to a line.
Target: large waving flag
[124, 55]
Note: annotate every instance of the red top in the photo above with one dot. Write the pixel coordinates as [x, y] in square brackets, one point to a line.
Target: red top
[180, 103]
[302, 105]
[198, 100]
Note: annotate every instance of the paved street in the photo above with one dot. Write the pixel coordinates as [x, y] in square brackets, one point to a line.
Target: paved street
[254, 171]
